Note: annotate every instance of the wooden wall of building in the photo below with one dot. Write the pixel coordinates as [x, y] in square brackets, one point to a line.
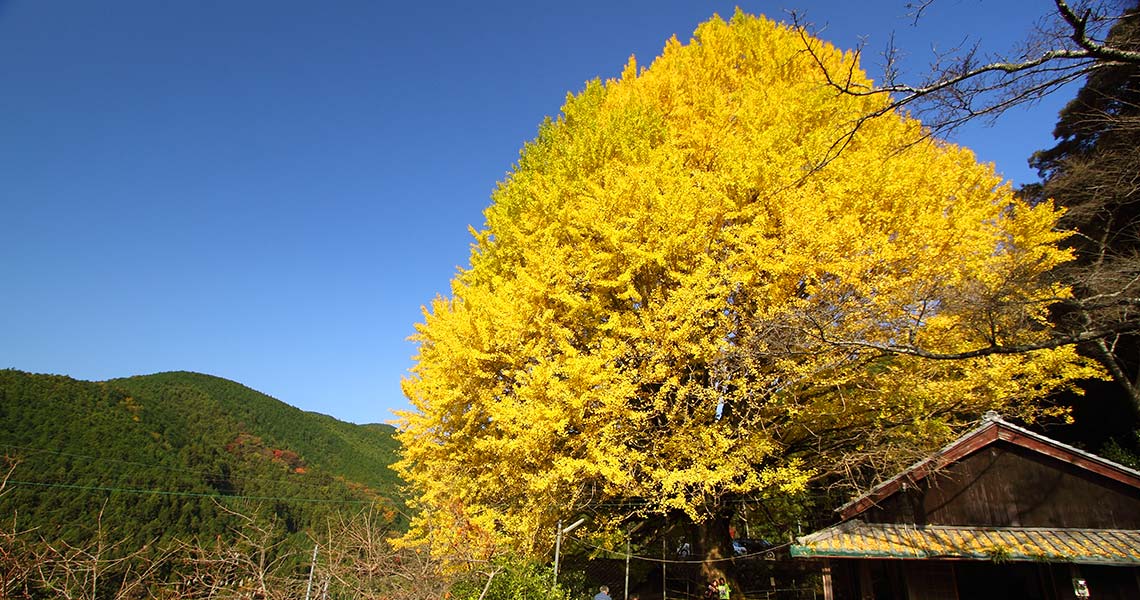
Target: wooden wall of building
[1005, 485]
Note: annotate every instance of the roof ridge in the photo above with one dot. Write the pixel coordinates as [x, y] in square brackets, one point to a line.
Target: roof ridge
[1059, 444]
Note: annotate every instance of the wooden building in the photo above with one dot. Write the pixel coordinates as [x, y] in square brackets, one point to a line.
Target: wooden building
[1001, 512]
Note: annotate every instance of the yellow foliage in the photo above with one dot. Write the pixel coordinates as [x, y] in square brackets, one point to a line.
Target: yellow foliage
[676, 300]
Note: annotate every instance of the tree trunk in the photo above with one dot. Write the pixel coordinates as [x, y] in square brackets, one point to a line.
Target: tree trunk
[1111, 362]
[714, 545]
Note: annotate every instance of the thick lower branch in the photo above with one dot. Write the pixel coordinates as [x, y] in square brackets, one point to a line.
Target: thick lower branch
[1107, 358]
[993, 349]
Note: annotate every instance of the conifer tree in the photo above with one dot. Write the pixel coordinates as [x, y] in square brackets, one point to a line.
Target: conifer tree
[1093, 172]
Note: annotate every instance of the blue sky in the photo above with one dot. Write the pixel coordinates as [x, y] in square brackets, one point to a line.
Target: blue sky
[269, 190]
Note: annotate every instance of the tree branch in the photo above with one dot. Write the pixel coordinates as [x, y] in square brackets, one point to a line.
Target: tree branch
[993, 349]
[955, 89]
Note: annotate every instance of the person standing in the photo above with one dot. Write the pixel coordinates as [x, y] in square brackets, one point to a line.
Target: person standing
[722, 589]
[603, 593]
[711, 592]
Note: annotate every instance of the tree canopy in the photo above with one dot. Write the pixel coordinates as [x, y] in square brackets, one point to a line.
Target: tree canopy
[682, 295]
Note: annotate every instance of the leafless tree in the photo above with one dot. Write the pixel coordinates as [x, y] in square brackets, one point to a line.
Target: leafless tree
[16, 556]
[252, 565]
[361, 562]
[96, 571]
[963, 84]
[1092, 172]
[355, 559]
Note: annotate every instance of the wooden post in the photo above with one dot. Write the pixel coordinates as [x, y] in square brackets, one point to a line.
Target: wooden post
[828, 594]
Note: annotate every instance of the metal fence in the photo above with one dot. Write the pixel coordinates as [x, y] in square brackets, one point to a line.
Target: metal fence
[781, 594]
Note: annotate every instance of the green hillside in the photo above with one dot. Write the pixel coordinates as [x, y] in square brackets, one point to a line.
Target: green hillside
[177, 455]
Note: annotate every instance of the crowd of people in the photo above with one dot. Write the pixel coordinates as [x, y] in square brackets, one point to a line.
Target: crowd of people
[717, 590]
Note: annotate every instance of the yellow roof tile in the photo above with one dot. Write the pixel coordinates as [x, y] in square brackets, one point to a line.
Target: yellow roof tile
[855, 539]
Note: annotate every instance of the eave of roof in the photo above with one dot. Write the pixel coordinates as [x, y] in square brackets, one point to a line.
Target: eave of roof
[992, 429]
[856, 539]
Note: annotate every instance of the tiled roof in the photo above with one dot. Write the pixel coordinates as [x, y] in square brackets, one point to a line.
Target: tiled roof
[856, 539]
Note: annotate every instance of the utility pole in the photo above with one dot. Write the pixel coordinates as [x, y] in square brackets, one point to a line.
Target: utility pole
[312, 566]
[558, 544]
[627, 565]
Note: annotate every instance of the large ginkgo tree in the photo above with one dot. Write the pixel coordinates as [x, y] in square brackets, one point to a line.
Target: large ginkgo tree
[686, 292]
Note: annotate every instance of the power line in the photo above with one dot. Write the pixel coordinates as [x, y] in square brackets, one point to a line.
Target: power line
[98, 488]
[676, 561]
[34, 450]
[208, 476]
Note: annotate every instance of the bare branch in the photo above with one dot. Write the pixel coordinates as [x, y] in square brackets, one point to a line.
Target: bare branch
[961, 89]
[917, 8]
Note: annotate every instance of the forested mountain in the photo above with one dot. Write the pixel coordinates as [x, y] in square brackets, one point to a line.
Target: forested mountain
[179, 455]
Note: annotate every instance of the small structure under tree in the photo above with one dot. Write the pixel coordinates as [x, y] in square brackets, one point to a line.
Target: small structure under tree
[1002, 512]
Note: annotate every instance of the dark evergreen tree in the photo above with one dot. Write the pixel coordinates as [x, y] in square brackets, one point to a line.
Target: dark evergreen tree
[1094, 173]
